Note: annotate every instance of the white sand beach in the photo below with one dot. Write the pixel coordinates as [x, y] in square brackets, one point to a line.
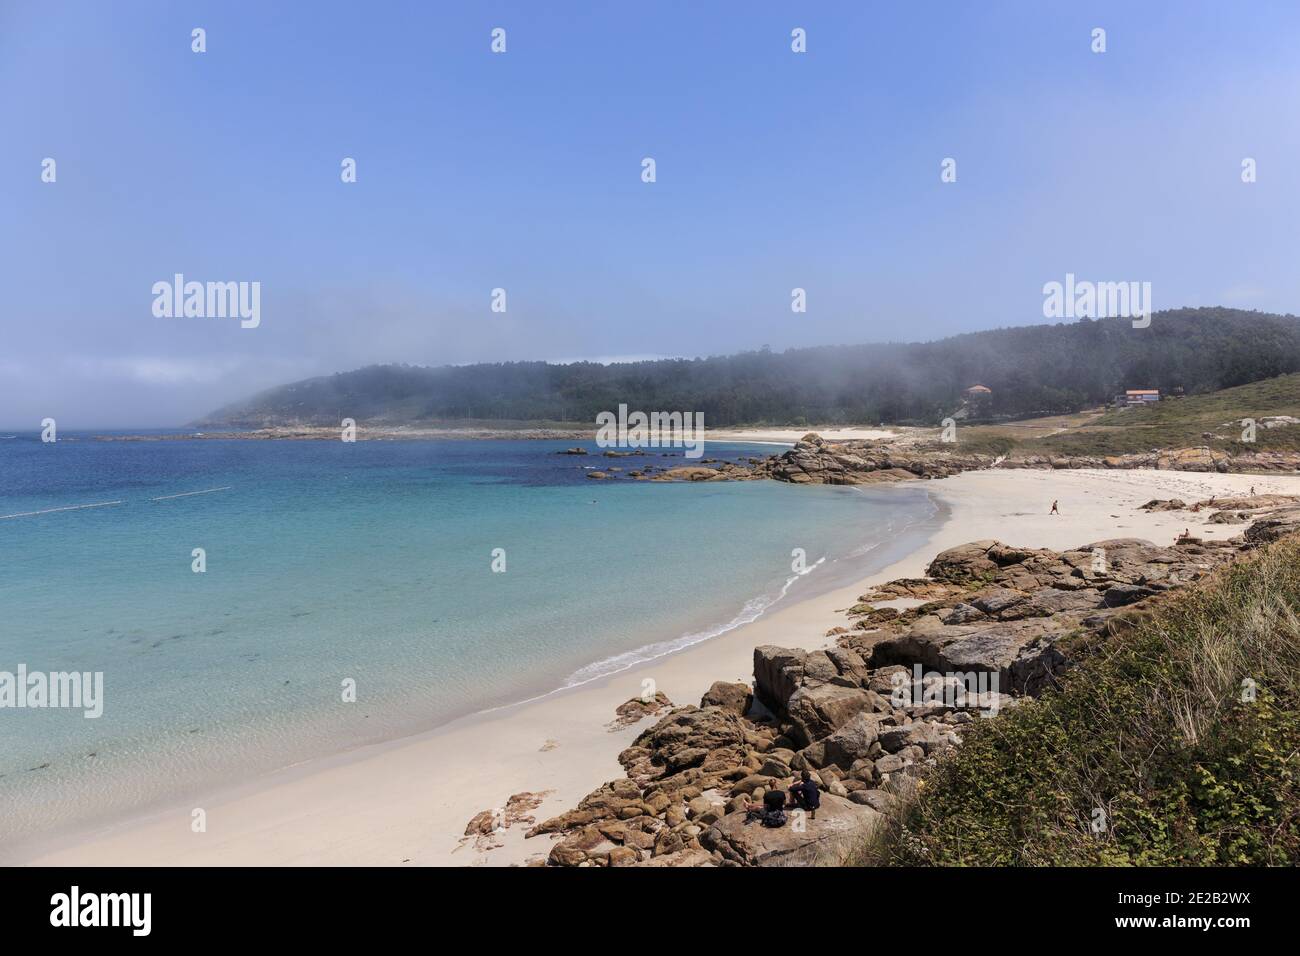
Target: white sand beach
[406, 802]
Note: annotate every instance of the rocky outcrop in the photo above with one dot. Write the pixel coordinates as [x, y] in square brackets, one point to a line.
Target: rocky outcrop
[814, 460]
[731, 697]
[639, 708]
[867, 717]
[1006, 608]
[747, 843]
[725, 471]
[1200, 458]
[486, 826]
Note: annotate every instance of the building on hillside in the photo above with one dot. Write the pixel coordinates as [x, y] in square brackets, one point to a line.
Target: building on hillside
[975, 402]
[1138, 396]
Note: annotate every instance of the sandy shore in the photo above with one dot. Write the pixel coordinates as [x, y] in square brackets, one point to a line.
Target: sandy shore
[406, 802]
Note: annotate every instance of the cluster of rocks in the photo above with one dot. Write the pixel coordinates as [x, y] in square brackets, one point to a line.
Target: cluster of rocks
[1200, 459]
[485, 827]
[710, 469]
[637, 709]
[691, 776]
[869, 715]
[1002, 611]
[813, 460]
[1278, 509]
[816, 461]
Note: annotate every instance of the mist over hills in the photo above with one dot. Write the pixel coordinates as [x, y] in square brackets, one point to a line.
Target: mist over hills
[1039, 369]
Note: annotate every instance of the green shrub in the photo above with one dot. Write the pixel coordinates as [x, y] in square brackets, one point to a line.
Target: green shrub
[1150, 729]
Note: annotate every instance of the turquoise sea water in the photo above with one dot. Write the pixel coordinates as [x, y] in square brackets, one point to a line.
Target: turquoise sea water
[372, 562]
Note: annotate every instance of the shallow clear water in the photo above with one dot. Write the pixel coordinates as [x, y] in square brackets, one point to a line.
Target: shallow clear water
[372, 562]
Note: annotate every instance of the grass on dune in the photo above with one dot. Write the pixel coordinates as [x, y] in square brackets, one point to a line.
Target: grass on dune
[1211, 419]
[1147, 754]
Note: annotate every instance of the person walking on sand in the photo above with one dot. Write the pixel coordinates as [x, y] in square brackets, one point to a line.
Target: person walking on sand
[1055, 510]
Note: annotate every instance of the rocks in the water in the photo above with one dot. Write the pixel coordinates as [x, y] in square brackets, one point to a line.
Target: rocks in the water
[572, 451]
[725, 471]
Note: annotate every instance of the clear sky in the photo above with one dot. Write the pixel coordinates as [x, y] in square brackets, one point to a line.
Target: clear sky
[522, 170]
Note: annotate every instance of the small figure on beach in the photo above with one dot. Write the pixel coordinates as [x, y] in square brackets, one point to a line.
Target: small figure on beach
[1185, 536]
[1252, 491]
[1055, 511]
[804, 795]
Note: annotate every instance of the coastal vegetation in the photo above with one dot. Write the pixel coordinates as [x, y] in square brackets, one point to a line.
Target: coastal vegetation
[1030, 370]
[1172, 744]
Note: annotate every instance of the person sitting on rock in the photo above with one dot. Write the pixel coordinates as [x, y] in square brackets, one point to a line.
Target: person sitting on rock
[771, 812]
[805, 794]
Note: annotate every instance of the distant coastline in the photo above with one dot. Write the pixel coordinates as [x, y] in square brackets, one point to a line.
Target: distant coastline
[763, 435]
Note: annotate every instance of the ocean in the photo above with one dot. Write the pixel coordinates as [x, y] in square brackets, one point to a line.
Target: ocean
[364, 569]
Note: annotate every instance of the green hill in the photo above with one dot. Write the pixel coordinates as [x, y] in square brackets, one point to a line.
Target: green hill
[1212, 419]
[1032, 370]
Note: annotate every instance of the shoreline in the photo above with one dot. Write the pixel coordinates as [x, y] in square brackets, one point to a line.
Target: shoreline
[407, 801]
[600, 673]
[776, 435]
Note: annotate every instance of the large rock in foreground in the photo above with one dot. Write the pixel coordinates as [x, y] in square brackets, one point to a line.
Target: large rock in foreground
[840, 824]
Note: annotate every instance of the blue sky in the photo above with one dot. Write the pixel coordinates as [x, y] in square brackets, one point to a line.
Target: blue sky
[522, 171]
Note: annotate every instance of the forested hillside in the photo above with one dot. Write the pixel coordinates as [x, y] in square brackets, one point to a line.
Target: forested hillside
[1041, 369]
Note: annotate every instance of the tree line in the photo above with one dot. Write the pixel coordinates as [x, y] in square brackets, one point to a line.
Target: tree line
[1032, 370]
